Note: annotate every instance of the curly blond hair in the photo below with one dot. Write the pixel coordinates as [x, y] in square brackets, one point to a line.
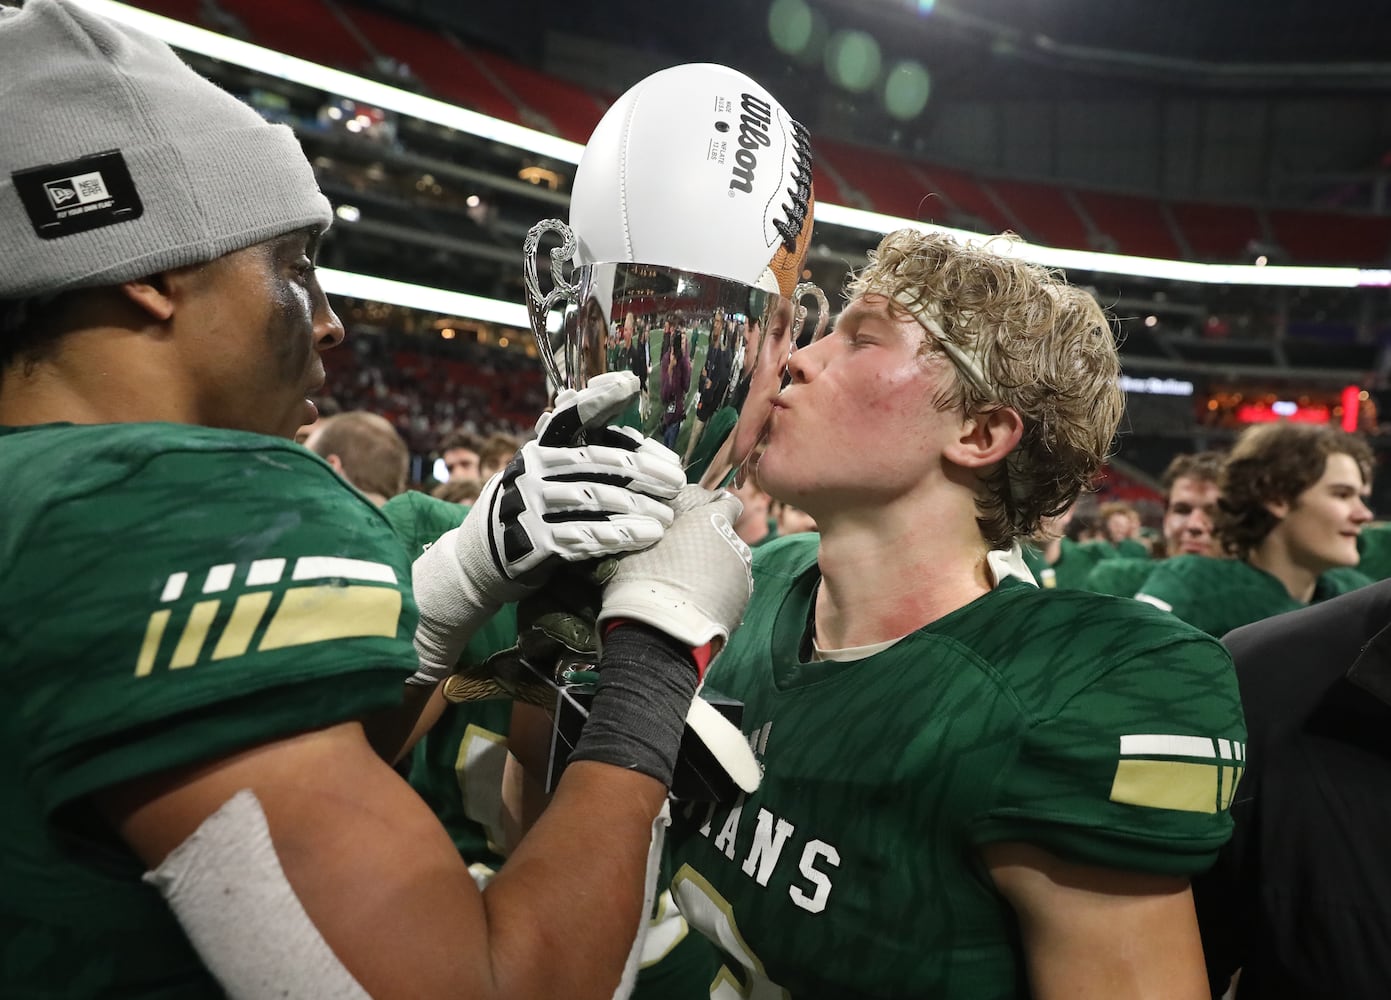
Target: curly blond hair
[1020, 337]
[1274, 463]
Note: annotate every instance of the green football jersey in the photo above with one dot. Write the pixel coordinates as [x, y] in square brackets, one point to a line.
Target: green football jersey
[1130, 548]
[1096, 728]
[457, 769]
[1218, 595]
[1120, 577]
[1374, 546]
[168, 594]
[1075, 561]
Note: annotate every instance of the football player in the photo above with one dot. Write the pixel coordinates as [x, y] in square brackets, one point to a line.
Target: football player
[1190, 513]
[971, 787]
[195, 612]
[1291, 509]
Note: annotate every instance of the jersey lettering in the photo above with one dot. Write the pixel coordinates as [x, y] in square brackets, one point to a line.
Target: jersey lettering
[766, 847]
[816, 902]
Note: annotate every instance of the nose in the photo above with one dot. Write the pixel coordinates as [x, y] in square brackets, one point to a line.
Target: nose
[1361, 513]
[802, 363]
[328, 328]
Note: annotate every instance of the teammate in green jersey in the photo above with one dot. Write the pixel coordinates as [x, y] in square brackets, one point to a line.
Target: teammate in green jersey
[1190, 513]
[971, 787]
[1290, 514]
[195, 612]
[1058, 562]
[458, 769]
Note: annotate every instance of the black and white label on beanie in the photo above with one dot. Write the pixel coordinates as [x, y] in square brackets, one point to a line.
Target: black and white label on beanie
[79, 195]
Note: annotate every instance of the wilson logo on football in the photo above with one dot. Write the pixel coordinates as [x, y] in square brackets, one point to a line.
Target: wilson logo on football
[757, 116]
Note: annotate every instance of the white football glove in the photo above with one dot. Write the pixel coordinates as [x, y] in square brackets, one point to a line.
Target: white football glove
[695, 583]
[558, 499]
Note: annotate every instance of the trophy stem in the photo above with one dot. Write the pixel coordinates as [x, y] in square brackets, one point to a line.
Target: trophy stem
[539, 305]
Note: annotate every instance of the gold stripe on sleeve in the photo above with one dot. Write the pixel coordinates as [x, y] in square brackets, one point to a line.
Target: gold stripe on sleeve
[1165, 784]
[321, 613]
[195, 631]
[154, 632]
[246, 615]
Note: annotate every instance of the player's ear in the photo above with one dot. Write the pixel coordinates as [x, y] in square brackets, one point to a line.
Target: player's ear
[986, 438]
[1278, 508]
[151, 295]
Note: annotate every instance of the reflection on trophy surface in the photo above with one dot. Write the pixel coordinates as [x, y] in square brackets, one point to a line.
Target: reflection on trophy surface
[709, 353]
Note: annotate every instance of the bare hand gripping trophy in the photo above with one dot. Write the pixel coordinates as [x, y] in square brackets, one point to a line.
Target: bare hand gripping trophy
[690, 220]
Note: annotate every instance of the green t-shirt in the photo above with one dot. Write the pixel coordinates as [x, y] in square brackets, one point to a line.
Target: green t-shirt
[1218, 595]
[168, 594]
[1120, 577]
[1099, 729]
[457, 769]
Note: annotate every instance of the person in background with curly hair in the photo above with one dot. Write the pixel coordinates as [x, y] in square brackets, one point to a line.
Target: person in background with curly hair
[972, 787]
[1291, 508]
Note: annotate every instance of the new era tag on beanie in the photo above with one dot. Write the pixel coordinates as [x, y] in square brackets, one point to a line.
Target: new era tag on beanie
[73, 197]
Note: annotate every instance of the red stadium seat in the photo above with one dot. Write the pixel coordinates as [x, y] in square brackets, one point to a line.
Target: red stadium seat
[1217, 232]
[1332, 238]
[307, 29]
[449, 72]
[1137, 225]
[1044, 212]
[966, 193]
[885, 179]
[572, 111]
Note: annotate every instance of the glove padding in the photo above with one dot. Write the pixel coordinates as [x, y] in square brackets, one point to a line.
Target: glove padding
[558, 500]
[695, 583]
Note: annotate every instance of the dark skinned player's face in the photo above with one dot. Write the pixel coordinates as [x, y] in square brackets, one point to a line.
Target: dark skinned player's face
[260, 322]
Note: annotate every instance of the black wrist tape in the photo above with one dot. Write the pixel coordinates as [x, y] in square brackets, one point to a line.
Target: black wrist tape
[646, 683]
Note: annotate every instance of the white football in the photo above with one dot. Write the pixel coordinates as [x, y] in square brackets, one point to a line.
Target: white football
[697, 167]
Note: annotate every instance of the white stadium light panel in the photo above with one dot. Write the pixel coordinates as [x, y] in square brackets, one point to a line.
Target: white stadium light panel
[284, 67]
[332, 81]
[436, 300]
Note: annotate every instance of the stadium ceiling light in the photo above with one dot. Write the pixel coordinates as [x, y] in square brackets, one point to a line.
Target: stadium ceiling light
[1111, 263]
[285, 67]
[333, 81]
[436, 300]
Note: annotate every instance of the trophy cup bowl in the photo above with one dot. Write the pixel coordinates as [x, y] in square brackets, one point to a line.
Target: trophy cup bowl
[710, 353]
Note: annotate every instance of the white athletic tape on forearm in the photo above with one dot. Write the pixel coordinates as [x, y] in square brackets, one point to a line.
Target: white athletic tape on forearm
[229, 893]
[649, 897]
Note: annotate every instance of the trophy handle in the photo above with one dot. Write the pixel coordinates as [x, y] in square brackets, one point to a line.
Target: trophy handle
[538, 305]
[823, 310]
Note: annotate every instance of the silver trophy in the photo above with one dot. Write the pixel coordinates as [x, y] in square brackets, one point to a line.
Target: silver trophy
[710, 353]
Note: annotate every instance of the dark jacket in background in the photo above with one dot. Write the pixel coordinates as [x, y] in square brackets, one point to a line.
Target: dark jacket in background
[1300, 899]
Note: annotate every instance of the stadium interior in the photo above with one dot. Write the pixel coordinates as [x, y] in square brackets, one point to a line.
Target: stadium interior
[1253, 134]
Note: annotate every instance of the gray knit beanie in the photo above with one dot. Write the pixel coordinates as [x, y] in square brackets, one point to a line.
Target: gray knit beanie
[118, 161]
